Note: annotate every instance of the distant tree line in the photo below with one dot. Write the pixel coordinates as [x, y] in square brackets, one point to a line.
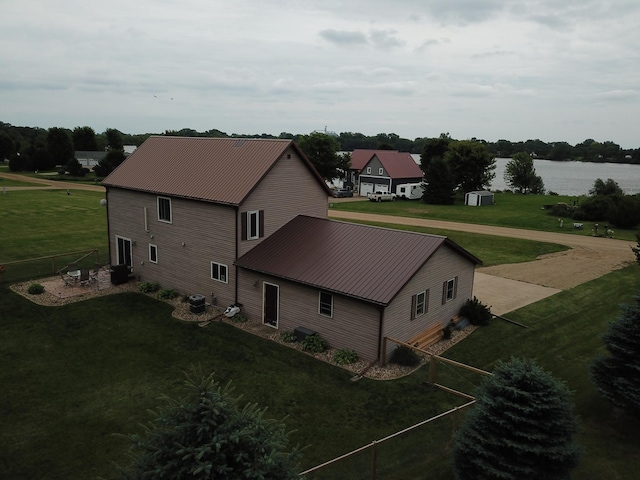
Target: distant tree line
[34, 148]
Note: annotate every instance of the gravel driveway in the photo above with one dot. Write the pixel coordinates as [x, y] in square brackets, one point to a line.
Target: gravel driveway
[511, 286]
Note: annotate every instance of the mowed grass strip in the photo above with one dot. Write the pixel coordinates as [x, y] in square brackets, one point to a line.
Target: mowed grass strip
[510, 210]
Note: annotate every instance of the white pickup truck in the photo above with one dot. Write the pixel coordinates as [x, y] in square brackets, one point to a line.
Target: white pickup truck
[381, 197]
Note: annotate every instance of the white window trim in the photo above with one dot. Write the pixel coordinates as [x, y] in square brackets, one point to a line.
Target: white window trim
[226, 269]
[381, 171]
[320, 304]
[368, 169]
[154, 247]
[170, 210]
[250, 215]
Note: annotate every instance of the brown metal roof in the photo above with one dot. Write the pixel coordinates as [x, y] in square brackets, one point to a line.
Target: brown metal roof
[399, 164]
[360, 157]
[221, 170]
[361, 261]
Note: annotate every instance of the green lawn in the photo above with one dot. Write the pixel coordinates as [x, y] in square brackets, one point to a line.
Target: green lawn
[73, 376]
[48, 222]
[8, 182]
[510, 210]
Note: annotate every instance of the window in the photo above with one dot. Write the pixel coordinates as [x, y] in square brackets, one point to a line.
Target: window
[219, 272]
[164, 209]
[449, 290]
[381, 171]
[419, 304]
[325, 304]
[368, 169]
[252, 225]
[153, 253]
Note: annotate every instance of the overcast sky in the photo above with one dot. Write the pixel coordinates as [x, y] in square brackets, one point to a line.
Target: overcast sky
[557, 70]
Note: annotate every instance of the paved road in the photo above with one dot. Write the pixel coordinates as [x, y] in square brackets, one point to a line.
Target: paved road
[45, 183]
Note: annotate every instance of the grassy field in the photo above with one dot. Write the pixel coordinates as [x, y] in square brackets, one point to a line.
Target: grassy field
[510, 210]
[49, 222]
[73, 376]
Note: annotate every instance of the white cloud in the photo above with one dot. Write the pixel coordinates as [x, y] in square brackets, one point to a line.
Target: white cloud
[493, 69]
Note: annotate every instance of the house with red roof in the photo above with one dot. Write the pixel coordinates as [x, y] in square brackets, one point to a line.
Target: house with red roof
[244, 222]
[382, 171]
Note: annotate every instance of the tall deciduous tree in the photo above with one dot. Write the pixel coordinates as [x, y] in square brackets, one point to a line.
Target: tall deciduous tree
[434, 148]
[608, 188]
[521, 428]
[59, 145]
[617, 376]
[84, 139]
[114, 139]
[519, 173]
[471, 165]
[322, 152]
[207, 435]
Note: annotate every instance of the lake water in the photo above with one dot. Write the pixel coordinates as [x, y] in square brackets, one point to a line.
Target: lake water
[573, 178]
[576, 178]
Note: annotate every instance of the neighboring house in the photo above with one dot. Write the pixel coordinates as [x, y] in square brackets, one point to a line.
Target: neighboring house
[245, 221]
[382, 170]
[89, 158]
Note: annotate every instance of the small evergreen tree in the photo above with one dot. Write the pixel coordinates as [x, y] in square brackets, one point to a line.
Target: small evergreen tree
[636, 249]
[617, 376]
[207, 435]
[521, 428]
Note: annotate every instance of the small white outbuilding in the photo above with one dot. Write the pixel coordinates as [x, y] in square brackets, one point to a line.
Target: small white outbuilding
[478, 199]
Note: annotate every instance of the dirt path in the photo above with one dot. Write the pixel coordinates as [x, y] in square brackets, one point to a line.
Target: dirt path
[588, 257]
[47, 183]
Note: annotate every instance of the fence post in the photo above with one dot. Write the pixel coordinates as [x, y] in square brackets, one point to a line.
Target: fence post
[374, 455]
[383, 352]
[432, 369]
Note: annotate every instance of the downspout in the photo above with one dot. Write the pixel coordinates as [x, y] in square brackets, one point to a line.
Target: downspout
[381, 361]
[237, 209]
[106, 196]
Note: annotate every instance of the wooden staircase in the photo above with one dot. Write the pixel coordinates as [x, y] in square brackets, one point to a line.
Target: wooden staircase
[427, 337]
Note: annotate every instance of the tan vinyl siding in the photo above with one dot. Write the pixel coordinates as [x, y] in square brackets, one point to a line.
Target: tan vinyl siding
[444, 265]
[286, 191]
[206, 230]
[354, 324]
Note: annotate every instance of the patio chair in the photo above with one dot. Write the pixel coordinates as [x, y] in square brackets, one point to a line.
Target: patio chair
[73, 267]
[84, 277]
[65, 279]
[93, 275]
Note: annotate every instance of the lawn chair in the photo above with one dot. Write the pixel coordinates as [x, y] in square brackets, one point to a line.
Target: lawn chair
[65, 279]
[84, 277]
[93, 275]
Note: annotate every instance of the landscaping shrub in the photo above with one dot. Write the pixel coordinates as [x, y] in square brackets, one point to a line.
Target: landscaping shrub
[288, 336]
[167, 294]
[315, 343]
[149, 287]
[345, 356]
[35, 289]
[476, 312]
[405, 356]
[238, 318]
